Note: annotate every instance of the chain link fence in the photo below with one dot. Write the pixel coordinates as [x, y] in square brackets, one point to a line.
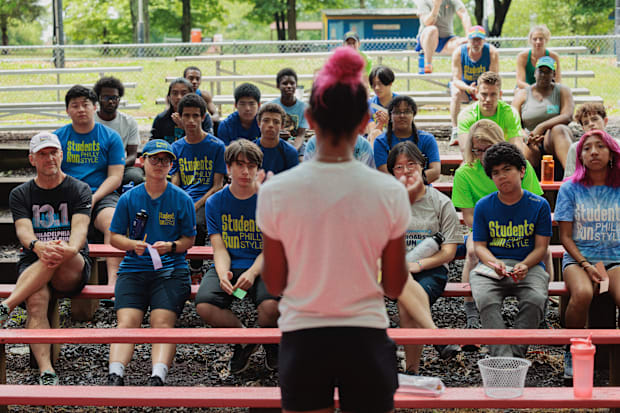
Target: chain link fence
[158, 62]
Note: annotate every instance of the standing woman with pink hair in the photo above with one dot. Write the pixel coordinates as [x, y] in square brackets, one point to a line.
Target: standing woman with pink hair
[325, 224]
[588, 210]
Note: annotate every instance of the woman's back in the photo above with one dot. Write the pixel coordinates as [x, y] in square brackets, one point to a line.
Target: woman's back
[334, 220]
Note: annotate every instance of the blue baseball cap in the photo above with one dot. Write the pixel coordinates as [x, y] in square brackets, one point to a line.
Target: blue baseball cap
[155, 146]
[546, 61]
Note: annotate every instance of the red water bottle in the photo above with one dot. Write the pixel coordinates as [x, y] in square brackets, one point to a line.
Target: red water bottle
[582, 351]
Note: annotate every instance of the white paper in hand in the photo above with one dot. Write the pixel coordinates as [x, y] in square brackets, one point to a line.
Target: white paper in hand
[154, 257]
[603, 286]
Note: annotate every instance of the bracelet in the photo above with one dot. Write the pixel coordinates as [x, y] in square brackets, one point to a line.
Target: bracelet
[420, 264]
[581, 262]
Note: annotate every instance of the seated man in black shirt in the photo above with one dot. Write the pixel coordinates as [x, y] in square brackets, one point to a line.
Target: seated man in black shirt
[168, 124]
[51, 214]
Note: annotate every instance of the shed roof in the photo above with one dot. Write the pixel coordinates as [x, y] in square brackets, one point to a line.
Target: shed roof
[372, 12]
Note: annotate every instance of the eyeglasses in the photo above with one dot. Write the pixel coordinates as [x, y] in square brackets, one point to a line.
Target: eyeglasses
[410, 166]
[165, 160]
[405, 113]
[110, 98]
[478, 151]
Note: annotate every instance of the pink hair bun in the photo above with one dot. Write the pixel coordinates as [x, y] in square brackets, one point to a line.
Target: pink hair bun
[344, 66]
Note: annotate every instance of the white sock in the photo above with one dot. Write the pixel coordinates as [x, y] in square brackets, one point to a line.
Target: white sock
[161, 370]
[117, 368]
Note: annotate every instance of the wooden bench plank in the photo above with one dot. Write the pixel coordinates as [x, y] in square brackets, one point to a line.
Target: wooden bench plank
[55, 71]
[399, 76]
[38, 88]
[272, 335]
[506, 51]
[269, 397]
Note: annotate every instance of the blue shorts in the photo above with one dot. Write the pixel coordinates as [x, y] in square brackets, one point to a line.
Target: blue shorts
[567, 260]
[440, 45]
[461, 249]
[361, 362]
[433, 281]
[163, 289]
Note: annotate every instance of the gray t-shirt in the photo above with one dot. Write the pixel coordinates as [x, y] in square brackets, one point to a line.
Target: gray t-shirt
[445, 18]
[125, 125]
[433, 213]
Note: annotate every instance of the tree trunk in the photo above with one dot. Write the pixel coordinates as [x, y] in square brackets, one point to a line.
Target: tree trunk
[280, 28]
[186, 21]
[501, 10]
[133, 11]
[147, 26]
[291, 15]
[4, 27]
[362, 4]
[479, 11]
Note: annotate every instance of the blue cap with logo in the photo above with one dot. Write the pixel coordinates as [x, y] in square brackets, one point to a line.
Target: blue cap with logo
[155, 146]
[546, 61]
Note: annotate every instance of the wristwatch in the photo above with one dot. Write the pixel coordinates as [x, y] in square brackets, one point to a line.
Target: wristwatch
[31, 246]
[173, 247]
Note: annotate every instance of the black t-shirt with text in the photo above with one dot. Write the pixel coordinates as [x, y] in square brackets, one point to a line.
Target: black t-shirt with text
[51, 210]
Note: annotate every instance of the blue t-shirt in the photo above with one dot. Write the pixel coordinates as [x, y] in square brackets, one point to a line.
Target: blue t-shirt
[87, 156]
[230, 129]
[510, 230]
[472, 69]
[362, 151]
[171, 216]
[235, 220]
[376, 101]
[295, 116]
[278, 159]
[197, 163]
[426, 143]
[595, 214]
[165, 128]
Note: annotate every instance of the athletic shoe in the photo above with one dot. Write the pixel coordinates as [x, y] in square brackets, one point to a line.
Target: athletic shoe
[271, 356]
[240, 360]
[568, 364]
[454, 138]
[48, 378]
[154, 381]
[447, 351]
[5, 312]
[428, 68]
[115, 380]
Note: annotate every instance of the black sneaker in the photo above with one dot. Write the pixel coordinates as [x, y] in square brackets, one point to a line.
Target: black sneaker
[472, 322]
[447, 351]
[240, 360]
[4, 314]
[115, 380]
[271, 356]
[154, 381]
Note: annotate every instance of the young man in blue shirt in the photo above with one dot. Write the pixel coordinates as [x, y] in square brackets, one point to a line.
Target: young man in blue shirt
[154, 272]
[512, 229]
[199, 166]
[242, 122]
[237, 251]
[93, 153]
[194, 75]
[278, 154]
[294, 125]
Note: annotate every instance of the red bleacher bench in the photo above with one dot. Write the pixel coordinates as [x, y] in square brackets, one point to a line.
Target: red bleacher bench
[270, 396]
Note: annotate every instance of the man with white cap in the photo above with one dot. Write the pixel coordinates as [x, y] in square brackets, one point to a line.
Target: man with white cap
[469, 61]
[51, 214]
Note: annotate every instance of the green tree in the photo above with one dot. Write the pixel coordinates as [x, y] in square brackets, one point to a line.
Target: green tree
[566, 17]
[181, 16]
[280, 11]
[18, 11]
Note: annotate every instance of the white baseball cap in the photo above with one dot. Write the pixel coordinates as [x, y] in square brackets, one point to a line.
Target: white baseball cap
[44, 140]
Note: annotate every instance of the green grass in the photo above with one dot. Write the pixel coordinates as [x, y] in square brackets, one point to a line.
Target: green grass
[151, 84]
